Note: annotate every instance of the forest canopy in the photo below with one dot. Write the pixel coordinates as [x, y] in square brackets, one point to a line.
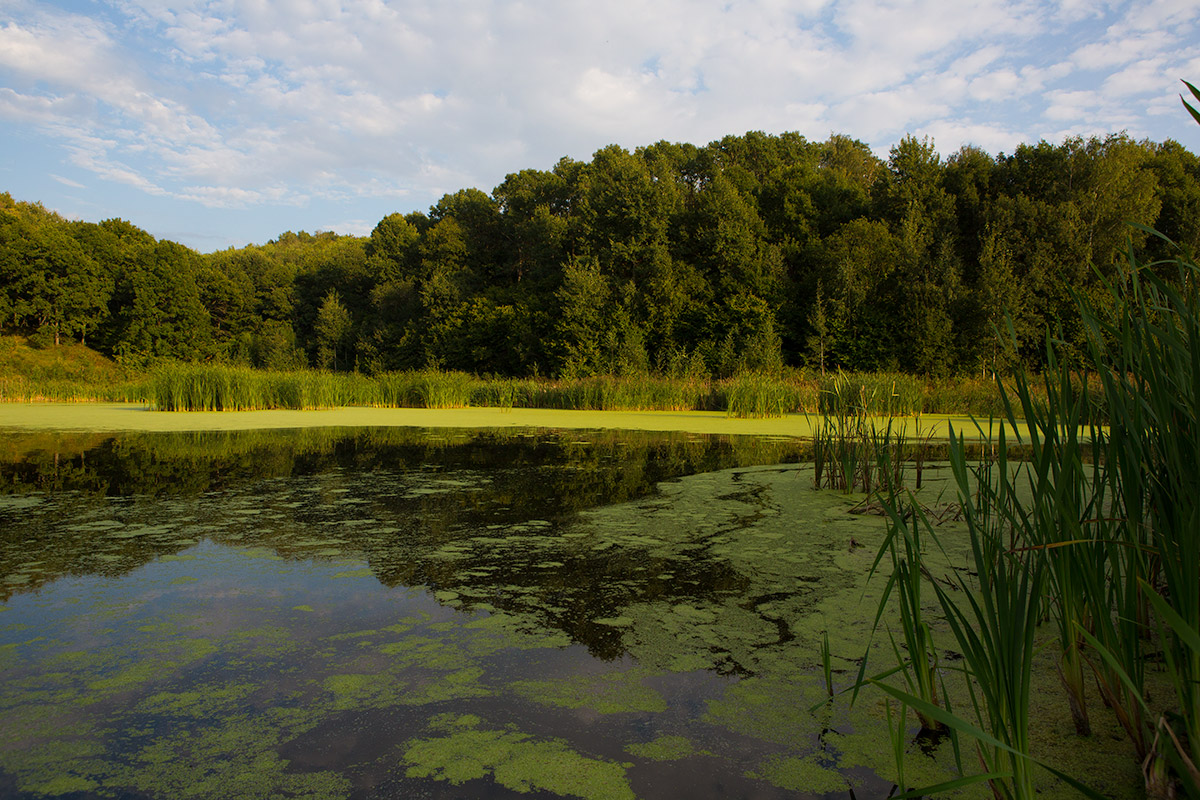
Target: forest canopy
[755, 252]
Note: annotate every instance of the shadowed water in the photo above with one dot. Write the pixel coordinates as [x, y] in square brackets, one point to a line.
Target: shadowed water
[401, 613]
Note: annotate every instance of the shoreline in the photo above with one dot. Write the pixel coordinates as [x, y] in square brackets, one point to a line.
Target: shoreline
[137, 417]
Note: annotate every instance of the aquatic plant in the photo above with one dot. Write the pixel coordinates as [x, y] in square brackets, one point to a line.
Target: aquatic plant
[1147, 351]
[1099, 529]
[757, 395]
[853, 451]
[903, 546]
[885, 394]
[992, 618]
[181, 386]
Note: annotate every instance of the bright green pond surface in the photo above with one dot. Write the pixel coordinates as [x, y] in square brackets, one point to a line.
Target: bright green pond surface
[430, 614]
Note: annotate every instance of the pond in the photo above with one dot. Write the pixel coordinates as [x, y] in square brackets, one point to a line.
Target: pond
[432, 613]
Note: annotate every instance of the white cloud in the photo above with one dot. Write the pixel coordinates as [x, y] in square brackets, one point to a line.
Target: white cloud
[1137, 78]
[1171, 15]
[1115, 52]
[1076, 10]
[67, 181]
[951, 135]
[998, 85]
[259, 103]
[1072, 105]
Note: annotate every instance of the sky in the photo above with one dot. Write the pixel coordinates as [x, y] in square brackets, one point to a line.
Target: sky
[221, 123]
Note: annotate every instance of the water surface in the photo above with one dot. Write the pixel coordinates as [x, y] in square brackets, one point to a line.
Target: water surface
[428, 613]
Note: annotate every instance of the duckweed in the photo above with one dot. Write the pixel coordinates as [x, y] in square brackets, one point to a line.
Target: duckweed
[165, 642]
[664, 748]
[516, 761]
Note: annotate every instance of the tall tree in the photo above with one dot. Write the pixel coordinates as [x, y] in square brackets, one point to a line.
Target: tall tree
[333, 332]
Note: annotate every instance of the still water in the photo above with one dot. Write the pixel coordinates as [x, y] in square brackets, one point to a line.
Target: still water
[429, 614]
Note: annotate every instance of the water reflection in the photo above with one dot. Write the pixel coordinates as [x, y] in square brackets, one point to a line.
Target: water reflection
[395, 497]
[423, 613]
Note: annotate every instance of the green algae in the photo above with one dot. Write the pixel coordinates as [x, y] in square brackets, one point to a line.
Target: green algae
[65, 784]
[204, 702]
[776, 709]
[458, 685]
[361, 690]
[362, 572]
[236, 758]
[735, 572]
[516, 761]
[811, 774]
[129, 678]
[664, 748]
[136, 417]
[518, 631]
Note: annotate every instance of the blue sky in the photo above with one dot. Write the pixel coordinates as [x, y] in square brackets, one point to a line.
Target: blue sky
[220, 123]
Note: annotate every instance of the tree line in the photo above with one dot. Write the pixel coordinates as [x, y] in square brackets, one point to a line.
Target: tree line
[754, 252]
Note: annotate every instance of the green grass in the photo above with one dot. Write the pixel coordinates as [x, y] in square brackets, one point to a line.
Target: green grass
[67, 372]
[71, 372]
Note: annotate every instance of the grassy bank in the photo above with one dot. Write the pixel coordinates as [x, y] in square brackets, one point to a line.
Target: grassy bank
[74, 373]
[68, 372]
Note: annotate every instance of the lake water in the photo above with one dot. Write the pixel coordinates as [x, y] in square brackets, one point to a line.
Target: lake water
[429, 614]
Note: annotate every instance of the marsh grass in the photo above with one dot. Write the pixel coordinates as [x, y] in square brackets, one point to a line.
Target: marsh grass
[919, 662]
[1098, 530]
[215, 387]
[759, 395]
[74, 373]
[854, 451]
[18, 388]
[1151, 345]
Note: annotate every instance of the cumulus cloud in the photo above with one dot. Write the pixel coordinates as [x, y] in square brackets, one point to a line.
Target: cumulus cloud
[230, 104]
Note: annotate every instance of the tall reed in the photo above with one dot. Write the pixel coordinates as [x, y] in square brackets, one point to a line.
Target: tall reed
[1148, 351]
[1059, 520]
[992, 616]
[758, 395]
[904, 545]
[1100, 527]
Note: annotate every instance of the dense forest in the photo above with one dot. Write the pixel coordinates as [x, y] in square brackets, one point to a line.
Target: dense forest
[755, 252]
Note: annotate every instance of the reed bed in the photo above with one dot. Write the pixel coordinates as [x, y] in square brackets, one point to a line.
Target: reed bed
[193, 387]
[1097, 534]
[180, 386]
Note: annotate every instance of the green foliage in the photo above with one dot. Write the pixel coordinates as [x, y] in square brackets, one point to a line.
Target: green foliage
[332, 330]
[751, 254]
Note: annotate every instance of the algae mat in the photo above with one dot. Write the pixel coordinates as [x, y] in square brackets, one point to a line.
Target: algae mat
[440, 614]
[136, 417]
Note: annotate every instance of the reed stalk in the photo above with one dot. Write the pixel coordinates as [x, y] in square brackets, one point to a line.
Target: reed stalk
[1059, 519]
[903, 546]
[1148, 354]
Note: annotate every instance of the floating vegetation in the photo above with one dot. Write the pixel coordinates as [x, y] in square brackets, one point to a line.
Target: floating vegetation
[604, 611]
[514, 760]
